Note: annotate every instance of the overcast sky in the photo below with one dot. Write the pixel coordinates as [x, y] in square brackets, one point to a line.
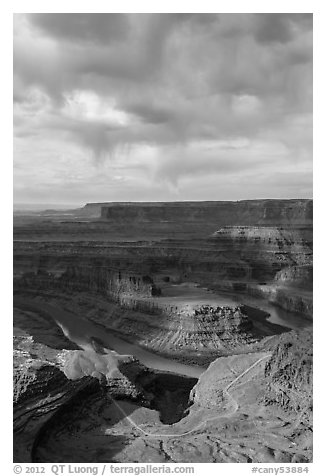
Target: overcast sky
[114, 107]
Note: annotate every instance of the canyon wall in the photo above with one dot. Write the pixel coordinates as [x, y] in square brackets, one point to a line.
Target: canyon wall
[175, 259]
[280, 262]
[235, 252]
[255, 260]
[260, 247]
[300, 276]
[266, 249]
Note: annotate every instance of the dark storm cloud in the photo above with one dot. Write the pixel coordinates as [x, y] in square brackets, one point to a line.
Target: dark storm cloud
[106, 53]
[151, 113]
[93, 28]
[108, 83]
[274, 27]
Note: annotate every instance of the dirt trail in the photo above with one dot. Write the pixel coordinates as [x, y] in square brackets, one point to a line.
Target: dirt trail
[196, 428]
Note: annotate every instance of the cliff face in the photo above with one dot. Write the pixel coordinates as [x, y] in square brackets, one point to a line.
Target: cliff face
[111, 282]
[97, 279]
[266, 249]
[250, 212]
[279, 261]
[300, 276]
[290, 298]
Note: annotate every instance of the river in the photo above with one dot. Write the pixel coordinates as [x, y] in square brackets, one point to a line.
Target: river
[277, 315]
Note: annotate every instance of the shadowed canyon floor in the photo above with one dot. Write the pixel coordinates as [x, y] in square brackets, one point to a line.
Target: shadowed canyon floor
[164, 333]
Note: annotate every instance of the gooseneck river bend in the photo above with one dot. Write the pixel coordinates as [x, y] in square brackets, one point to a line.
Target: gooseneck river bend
[80, 330]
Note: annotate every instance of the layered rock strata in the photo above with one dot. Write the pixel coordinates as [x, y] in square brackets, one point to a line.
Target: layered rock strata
[225, 263]
[95, 279]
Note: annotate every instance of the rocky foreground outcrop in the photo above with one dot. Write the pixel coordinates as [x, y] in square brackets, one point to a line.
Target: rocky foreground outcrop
[254, 407]
[48, 382]
[289, 376]
[51, 385]
[271, 388]
[40, 389]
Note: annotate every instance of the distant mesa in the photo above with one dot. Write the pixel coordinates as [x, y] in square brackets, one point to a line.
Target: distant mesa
[221, 213]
